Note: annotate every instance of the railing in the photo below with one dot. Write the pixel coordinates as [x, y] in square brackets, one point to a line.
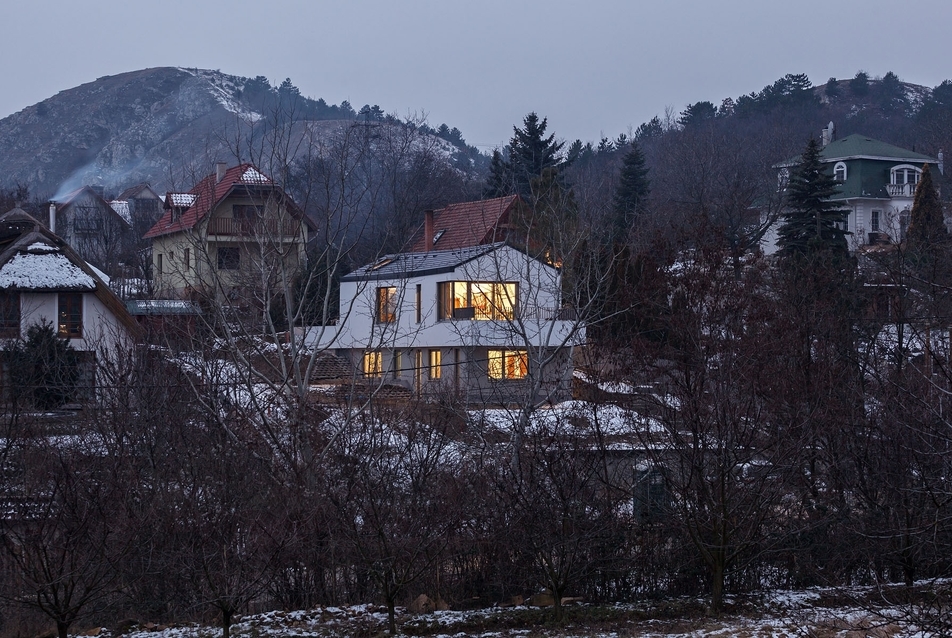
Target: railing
[901, 190]
[254, 227]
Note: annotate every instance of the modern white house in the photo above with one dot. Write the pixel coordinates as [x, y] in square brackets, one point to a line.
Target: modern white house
[43, 280]
[877, 184]
[483, 323]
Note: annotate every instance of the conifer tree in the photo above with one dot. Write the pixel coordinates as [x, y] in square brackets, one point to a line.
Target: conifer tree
[926, 224]
[499, 182]
[812, 221]
[632, 192]
[531, 152]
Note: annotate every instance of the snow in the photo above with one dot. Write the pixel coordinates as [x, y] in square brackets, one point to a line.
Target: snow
[99, 273]
[39, 247]
[48, 271]
[251, 176]
[183, 200]
[121, 207]
[224, 87]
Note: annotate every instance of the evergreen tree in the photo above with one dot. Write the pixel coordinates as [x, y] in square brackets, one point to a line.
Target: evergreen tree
[927, 223]
[531, 152]
[44, 368]
[499, 182]
[632, 192]
[812, 221]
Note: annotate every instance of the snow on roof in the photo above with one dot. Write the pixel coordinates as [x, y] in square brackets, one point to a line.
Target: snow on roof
[121, 207]
[183, 199]
[45, 271]
[40, 247]
[251, 176]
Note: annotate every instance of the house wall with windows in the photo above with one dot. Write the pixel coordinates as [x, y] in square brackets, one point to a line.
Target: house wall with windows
[479, 322]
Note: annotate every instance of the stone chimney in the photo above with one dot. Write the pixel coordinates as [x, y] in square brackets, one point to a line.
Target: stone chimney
[827, 134]
[220, 168]
[428, 229]
[52, 217]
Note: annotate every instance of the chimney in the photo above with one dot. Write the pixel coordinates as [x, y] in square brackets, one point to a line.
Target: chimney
[941, 163]
[52, 217]
[220, 168]
[428, 229]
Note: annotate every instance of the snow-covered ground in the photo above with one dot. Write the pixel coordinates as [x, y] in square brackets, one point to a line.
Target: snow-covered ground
[830, 613]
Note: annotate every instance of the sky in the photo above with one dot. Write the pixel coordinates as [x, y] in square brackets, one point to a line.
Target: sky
[593, 68]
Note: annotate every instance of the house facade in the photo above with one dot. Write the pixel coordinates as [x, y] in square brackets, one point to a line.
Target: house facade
[876, 185]
[222, 237]
[97, 231]
[44, 281]
[483, 323]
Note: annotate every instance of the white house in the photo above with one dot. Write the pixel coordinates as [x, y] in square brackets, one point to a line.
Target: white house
[485, 323]
[43, 280]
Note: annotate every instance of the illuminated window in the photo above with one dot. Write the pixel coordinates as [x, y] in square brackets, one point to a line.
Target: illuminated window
[476, 300]
[373, 363]
[508, 364]
[70, 323]
[386, 304]
[436, 364]
[397, 364]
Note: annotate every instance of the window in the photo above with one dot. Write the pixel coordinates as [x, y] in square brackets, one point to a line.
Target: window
[228, 258]
[397, 356]
[476, 300]
[386, 304]
[839, 172]
[904, 218]
[70, 314]
[9, 315]
[419, 303]
[373, 364]
[436, 364]
[905, 174]
[188, 258]
[874, 220]
[158, 263]
[508, 364]
[244, 211]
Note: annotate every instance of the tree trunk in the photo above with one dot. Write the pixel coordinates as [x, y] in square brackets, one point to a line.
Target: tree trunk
[717, 586]
[225, 623]
[62, 629]
[391, 615]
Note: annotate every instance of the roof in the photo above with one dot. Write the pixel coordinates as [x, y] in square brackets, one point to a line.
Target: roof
[121, 206]
[134, 192]
[205, 196]
[35, 259]
[63, 204]
[861, 147]
[468, 224]
[162, 307]
[403, 265]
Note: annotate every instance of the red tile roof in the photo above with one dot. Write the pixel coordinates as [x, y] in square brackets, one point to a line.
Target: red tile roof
[468, 224]
[208, 194]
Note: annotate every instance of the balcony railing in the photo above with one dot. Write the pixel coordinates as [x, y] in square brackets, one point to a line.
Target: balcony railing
[254, 227]
[533, 313]
[901, 190]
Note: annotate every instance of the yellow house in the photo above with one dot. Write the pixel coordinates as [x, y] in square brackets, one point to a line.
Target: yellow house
[230, 235]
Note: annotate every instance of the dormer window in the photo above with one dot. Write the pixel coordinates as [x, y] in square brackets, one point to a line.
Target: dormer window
[905, 174]
[437, 236]
[839, 171]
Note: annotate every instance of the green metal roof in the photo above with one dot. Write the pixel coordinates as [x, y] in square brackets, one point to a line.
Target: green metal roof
[859, 146]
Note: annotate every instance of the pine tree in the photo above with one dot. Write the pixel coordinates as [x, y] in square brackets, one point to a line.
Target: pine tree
[499, 182]
[531, 152]
[927, 230]
[632, 192]
[812, 221]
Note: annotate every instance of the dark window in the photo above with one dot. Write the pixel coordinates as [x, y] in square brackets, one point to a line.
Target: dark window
[70, 324]
[188, 258]
[228, 258]
[9, 315]
[419, 302]
[158, 263]
[244, 211]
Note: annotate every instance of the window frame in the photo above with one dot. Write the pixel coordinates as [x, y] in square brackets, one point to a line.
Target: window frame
[385, 304]
[457, 300]
[507, 365]
[372, 364]
[225, 263]
[69, 315]
[875, 220]
[840, 166]
[10, 314]
[434, 361]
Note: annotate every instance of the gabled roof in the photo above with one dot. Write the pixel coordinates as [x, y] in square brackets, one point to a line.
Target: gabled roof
[205, 196]
[66, 202]
[861, 147]
[404, 265]
[34, 259]
[138, 190]
[121, 206]
[468, 224]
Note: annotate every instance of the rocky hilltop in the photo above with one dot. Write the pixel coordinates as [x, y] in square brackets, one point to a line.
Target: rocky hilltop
[163, 126]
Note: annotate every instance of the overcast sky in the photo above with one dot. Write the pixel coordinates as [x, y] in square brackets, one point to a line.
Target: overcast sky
[592, 67]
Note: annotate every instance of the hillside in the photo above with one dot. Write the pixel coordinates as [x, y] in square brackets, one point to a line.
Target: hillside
[160, 125]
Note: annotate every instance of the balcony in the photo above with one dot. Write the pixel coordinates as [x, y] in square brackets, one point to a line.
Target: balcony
[270, 228]
[901, 190]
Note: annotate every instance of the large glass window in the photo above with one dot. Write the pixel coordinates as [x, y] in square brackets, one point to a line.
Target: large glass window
[386, 304]
[373, 363]
[70, 323]
[436, 364]
[477, 300]
[508, 364]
